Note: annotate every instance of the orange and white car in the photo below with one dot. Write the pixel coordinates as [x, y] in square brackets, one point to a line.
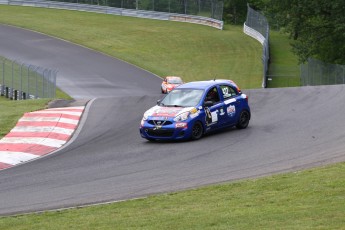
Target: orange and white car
[170, 82]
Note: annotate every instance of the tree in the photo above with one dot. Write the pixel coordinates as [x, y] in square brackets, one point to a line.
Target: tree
[316, 27]
[235, 11]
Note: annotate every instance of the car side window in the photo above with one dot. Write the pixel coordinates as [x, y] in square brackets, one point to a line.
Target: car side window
[212, 95]
[227, 91]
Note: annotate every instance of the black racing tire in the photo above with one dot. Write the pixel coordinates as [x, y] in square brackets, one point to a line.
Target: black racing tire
[197, 131]
[244, 120]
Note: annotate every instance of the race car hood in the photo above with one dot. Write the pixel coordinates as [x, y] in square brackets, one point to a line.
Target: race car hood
[162, 111]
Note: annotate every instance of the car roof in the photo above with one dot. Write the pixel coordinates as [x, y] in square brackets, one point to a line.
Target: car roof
[205, 84]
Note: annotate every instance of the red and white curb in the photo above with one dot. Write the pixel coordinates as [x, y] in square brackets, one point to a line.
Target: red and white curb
[37, 134]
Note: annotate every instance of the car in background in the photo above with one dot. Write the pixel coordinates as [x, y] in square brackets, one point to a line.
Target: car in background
[195, 108]
[169, 83]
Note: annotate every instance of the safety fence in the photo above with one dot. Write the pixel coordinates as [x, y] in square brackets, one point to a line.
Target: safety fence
[280, 75]
[206, 8]
[208, 12]
[20, 81]
[315, 72]
[256, 26]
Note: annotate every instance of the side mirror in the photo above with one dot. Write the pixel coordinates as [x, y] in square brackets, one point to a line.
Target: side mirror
[159, 101]
[208, 103]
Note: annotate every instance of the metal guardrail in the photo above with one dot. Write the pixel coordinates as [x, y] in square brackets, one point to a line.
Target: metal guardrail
[257, 27]
[19, 81]
[120, 11]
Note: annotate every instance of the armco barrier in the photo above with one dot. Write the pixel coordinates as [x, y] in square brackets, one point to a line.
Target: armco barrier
[119, 11]
[257, 27]
[254, 34]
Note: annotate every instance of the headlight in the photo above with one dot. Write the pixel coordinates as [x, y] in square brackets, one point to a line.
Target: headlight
[145, 116]
[182, 117]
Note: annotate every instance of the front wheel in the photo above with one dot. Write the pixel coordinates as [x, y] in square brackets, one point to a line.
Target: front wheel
[197, 131]
[244, 120]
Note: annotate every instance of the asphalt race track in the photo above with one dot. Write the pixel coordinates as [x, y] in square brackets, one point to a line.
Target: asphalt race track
[291, 128]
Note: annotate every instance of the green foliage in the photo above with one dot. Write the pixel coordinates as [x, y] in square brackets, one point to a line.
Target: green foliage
[316, 27]
[129, 4]
[235, 11]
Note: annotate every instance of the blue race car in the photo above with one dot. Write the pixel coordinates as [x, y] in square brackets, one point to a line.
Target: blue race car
[193, 109]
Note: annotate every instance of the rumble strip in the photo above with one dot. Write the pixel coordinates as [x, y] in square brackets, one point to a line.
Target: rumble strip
[37, 134]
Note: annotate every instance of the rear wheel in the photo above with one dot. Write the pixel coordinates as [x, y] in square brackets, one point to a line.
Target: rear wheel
[197, 131]
[244, 120]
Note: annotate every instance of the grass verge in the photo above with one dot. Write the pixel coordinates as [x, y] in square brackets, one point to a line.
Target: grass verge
[311, 199]
[284, 70]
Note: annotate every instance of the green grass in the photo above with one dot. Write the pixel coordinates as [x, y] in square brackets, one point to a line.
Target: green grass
[11, 111]
[284, 70]
[311, 199]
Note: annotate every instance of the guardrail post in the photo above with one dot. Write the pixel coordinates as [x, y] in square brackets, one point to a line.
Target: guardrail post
[36, 94]
[2, 88]
[6, 92]
[21, 81]
[28, 91]
[55, 75]
[12, 81]
[15, 96]
[11, 93]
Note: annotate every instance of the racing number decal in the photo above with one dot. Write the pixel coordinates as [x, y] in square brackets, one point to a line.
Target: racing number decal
[211, 118]
[208, 116]
[225, 90]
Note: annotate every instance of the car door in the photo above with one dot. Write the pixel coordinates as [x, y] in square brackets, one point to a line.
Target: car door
[232, 104]
[215, 114]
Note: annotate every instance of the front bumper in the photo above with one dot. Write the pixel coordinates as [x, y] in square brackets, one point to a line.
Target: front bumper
[165, 132]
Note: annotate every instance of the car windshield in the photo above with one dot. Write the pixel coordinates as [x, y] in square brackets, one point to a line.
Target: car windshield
[183, 98]
[174, 81]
